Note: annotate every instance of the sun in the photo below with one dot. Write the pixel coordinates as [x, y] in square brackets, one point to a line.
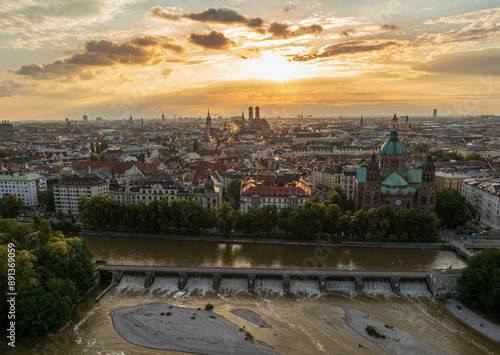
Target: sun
[274, 67]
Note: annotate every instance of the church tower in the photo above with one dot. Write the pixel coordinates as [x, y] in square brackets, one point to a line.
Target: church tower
[208, 127]
[394, 121]
[427, 191]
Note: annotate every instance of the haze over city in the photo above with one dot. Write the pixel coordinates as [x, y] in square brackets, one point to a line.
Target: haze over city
[323, 58]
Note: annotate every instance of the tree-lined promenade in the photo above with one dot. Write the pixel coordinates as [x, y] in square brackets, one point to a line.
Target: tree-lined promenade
[305, 221]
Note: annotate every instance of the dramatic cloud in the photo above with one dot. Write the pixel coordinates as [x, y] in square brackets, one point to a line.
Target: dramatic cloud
[211, 15]
[28, 23]
[475, 16]
[483, 62]
[166, 73]
[351, 47]
[387, 27]
[347, 32]
[282, 30]
[481, 25]
[138, 51]
[212, 40]
[289, 8]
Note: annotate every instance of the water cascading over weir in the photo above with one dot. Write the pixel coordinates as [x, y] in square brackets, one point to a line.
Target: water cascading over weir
[281, 280]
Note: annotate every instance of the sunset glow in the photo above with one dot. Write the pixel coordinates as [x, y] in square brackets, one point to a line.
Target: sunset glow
[108, 58]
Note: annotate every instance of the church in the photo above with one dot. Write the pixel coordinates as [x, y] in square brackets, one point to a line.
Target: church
[388, 181]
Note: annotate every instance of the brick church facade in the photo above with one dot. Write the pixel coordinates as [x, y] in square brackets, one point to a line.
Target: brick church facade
[389, 182]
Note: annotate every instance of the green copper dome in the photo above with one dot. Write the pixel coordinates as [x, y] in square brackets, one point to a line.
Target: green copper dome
[393, 145]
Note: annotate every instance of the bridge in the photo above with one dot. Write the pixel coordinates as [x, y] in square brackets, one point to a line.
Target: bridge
[359, 281]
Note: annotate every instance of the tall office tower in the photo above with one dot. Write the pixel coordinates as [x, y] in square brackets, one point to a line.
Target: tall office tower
[85, 118]
[434, 113]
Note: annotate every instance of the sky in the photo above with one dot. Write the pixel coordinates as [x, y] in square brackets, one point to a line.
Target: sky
[113, 58]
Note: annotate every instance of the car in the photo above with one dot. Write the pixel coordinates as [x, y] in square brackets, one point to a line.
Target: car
[484, 233]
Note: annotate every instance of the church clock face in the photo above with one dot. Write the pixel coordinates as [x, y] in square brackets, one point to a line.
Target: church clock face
[398, 202]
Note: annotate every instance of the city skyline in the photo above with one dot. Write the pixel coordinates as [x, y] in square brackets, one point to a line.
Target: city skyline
[325, 58]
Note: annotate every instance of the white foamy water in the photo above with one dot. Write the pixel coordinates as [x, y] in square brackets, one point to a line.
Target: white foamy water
[310, 286]
[377, 286]
[340, 286]
[131, 281]
[414, 287]
[269, 283]
[234, 283]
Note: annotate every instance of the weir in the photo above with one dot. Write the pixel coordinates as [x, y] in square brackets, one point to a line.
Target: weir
[283, 280]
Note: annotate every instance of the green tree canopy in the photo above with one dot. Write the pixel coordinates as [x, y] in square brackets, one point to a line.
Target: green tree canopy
[234, 189]
[475, 156]
[52, 273]
[10, 206]
[420, 147]
[452, 208]
[479, 284]
[46, 200]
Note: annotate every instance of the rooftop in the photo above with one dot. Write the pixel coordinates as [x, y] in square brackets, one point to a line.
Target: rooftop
[27, 177]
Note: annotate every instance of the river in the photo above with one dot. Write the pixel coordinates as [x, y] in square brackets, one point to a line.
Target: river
[301, 323]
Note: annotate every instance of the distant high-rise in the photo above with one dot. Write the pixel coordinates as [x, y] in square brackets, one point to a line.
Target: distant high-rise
[98, 118]
[163, 117]
[361, 121]
[6, 129]
[85, 118]
[257, 112]
[434, 113]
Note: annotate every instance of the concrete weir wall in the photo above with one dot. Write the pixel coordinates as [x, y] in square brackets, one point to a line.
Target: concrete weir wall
[286, 280]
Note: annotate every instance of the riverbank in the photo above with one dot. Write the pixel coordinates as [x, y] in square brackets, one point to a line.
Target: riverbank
[393, 340]
[473, 320]
[163, 326]
[322, 241]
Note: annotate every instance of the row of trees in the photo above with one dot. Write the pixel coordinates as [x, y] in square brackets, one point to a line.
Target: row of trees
[304, 221]
[52, 273]
[98, 147]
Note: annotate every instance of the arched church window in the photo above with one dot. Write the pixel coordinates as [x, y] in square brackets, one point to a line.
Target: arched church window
[432, 199]
[424, 200]
[368, 198]
[375, 199]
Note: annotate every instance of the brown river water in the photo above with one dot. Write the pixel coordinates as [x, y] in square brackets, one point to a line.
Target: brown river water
[302, 322]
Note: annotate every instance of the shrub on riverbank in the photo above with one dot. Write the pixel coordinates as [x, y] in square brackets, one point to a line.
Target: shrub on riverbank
[373, 332]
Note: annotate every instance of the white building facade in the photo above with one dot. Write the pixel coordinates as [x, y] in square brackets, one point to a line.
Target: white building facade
[25, 187]
[282, 196]
[484, 195]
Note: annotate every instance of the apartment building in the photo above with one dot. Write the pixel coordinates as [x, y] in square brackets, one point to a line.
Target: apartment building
[25, 187]
[68, 190]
